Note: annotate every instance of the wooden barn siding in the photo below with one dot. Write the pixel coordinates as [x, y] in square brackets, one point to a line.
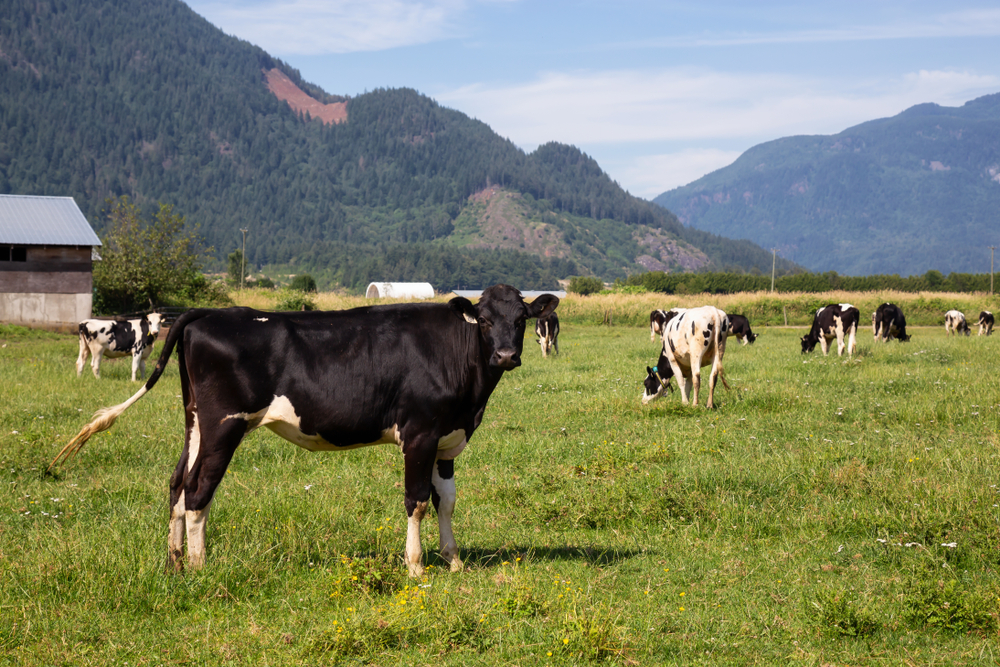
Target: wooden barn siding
[49, 270]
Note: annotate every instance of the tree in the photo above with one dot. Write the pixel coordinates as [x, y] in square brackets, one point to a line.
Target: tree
[145, 262]
[237, 267]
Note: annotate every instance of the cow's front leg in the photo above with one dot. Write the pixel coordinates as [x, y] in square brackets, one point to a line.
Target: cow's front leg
[824, 344]
[443, 494]
[95, 361]
[136, 359]
[418, 461]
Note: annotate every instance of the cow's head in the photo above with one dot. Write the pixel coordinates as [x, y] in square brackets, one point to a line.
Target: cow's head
[808, 344]
[657, 381]
[155, 320]
[904, 338]
[501, 315]
[751, 337]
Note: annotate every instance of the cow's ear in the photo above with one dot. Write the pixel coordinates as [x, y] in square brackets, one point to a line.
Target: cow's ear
[649, 371]
[464, 309]
[543, 306]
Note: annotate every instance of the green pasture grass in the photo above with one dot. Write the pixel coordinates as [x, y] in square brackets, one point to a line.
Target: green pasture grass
[829, 511]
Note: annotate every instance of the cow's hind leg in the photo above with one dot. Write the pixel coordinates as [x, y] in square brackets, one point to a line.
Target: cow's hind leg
[96, 352]
[443, 494]
[82, 358]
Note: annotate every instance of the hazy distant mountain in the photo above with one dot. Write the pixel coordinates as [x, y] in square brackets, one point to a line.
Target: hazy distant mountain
[100, 99]
[906, 194]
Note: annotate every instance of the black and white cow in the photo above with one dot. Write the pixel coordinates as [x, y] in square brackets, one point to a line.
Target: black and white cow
[888, 322]
[118, 338]
[740, 327]
[415, 375]
[547, 330]
[954, 323]
[692, 338]
[985, 323]
[834, 321]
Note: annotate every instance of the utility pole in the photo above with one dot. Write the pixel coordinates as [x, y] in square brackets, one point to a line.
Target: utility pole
[774, 258]
[243, 259]
[992, 248]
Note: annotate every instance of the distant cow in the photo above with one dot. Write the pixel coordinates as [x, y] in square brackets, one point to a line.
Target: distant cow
[834, 321]
[547, 330]
[888, 322]
[692, 338]
[417, 375]
[118, 338]
[985, 323]
[740, 327]
[954, 323]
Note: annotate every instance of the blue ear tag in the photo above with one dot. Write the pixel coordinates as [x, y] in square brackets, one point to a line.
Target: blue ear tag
[655, 369]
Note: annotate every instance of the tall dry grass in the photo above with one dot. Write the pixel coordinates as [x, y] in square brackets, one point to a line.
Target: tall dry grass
[762, 308]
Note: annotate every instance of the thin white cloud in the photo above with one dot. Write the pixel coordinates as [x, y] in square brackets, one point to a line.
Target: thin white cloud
[687, 104]
[967, 23]
[311, 27]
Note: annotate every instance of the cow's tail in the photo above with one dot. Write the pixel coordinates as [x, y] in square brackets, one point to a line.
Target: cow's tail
[106, 417]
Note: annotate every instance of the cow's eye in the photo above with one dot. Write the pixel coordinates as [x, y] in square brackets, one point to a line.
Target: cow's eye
[483, 322]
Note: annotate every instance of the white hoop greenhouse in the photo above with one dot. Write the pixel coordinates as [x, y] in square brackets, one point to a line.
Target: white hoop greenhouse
[399, 291]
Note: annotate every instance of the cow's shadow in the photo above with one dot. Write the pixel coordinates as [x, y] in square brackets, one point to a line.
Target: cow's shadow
[483, 558]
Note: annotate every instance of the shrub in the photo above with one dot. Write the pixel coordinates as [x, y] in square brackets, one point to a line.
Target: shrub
[295, 302]
[303, 283]
[584, 285]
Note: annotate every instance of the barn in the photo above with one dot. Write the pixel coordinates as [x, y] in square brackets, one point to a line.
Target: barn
[47, 249]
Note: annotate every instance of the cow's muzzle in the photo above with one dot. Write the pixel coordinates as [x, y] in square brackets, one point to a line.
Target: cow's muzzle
[506, 358]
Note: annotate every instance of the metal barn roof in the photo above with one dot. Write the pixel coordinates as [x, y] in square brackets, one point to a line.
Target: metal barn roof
[30, 220]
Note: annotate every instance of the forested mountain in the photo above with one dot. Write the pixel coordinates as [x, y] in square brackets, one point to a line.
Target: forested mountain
[916, 192]
[103, 98]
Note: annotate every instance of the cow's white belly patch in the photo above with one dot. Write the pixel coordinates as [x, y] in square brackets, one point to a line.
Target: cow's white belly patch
[280, 417]
[451, 445]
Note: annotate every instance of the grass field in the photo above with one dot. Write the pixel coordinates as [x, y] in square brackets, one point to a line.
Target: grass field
[830, 512]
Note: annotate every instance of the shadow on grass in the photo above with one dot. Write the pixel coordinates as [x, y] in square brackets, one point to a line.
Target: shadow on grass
[487, 558]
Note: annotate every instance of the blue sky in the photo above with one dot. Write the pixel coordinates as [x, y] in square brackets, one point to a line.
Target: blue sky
[659, 93]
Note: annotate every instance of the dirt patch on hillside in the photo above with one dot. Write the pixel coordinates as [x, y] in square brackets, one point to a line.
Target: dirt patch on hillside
[667, 253]
[285, 89]
[503, 224]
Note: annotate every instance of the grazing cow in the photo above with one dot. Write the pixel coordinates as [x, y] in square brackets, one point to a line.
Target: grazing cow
[954, 323]
[740, 327]
[416, 375]
[547, 330]
[888, 322]
[118, 338]
[692, 338]
[985, 323]
[834, 321]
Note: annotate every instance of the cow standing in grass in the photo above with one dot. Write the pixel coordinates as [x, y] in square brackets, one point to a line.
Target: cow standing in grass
[954, 323]
[692, 338]
[739, 326]
[888, 322]
[118, 338]
[833, 322]
[547, 330]
[415, 375]
[985, 323]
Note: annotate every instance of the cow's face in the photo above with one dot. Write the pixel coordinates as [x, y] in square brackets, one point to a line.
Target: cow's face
[154, 319]
[807, 344]
[752, 337]
[657, 381]
[904, 339]
[501, 315]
